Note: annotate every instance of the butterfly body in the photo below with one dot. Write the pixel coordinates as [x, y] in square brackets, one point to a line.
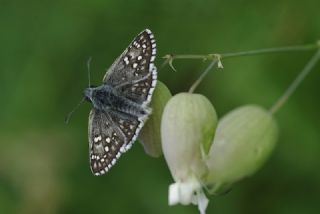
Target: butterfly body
[121, 103]
[105, 98]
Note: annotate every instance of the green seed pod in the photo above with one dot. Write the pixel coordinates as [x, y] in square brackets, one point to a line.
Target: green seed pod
[187, 130]
[244, 140]
[150, 136]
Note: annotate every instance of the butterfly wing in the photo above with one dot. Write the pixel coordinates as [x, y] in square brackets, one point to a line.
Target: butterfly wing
[105, 142]
[110, 135]
[134, 74]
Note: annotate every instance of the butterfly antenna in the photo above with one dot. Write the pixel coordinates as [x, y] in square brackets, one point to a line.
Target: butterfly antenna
[73, 110]
[88, 67]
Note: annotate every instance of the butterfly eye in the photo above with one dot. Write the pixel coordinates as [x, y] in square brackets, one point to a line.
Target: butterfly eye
[87, 93]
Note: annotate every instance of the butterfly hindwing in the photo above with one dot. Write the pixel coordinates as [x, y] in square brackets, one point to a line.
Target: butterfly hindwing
[129, 126]
[105, 142]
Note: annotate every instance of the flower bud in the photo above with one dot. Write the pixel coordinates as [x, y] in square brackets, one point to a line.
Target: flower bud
[187, 130]
[150, 134]
[244, 140]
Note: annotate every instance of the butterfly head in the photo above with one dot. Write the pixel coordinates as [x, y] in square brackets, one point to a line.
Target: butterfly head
[88, 93]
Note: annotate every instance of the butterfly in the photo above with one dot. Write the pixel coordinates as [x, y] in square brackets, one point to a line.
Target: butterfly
[121, 103]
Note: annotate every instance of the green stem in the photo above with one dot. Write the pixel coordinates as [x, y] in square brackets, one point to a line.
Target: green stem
[307, 47]
[199, 80]
[190, 56]
[294, 85]
[216, 58]
[272, 50]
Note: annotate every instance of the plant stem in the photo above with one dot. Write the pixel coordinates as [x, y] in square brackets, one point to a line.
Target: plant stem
[307, 47]
[217, 57]
[199, 80]
[294, 85]
[272, 50]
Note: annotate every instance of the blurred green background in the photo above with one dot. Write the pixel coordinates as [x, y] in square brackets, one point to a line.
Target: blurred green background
[44, 46]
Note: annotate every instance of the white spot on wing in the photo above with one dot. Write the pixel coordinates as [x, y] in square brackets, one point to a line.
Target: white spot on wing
[106, 148]
[97, 139]
[134, 65]
[126, 60]
[122, 149]
[113, 161]
[118, 155]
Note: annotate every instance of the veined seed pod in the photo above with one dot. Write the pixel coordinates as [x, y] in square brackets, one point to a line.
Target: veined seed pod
[187, 130]
[244, 140]
[150, 136]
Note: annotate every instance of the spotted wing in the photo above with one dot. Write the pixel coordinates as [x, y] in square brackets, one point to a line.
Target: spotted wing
[105, 142]
[110, 135]
[134, 73]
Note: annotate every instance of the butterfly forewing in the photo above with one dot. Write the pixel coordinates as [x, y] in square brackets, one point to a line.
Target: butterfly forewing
[139, 91]
[134, 73]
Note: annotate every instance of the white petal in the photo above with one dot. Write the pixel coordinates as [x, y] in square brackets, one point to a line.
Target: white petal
[202, 202]
[174, 194]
